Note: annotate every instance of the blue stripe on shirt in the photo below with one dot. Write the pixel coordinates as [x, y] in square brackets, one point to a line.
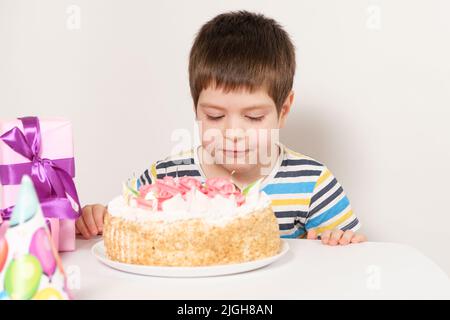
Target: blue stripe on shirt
[296, 187]
[328, 214]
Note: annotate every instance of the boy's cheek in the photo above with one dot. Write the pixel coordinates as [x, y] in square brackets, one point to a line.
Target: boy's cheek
[265, 141]
[210, 135]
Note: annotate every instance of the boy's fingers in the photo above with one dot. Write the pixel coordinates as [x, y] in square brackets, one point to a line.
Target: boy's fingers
[312, 235]
[346, 237]
[99, 212]
[357, 238]
[326, 236]
[335, 237]
[82, 228]
[88, 217]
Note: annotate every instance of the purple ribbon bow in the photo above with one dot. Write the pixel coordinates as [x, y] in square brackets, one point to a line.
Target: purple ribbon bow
[53, 179]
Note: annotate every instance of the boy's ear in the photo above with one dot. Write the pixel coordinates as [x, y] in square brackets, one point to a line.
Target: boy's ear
[286, 108]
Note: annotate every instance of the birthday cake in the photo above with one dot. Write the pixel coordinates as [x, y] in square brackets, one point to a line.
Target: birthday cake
[183, 222]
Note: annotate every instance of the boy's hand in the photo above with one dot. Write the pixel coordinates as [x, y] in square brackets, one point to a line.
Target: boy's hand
[91, 221]
[337, 237]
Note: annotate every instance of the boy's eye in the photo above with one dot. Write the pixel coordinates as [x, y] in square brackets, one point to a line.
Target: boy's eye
[214, 118]
[259, 118]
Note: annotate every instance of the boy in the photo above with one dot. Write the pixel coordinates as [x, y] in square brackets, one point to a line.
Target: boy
[241, 71]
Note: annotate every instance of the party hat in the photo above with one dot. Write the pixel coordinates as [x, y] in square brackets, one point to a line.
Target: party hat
[30, 267]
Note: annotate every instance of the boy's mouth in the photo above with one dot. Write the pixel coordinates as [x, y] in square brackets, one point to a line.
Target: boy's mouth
[234, 153]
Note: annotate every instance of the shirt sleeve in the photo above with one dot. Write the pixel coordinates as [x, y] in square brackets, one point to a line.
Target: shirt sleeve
[329, 207]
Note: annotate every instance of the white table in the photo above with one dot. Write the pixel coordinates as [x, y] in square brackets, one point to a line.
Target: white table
[309, 270]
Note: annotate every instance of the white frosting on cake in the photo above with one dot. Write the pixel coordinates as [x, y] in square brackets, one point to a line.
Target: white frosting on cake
[218, 210]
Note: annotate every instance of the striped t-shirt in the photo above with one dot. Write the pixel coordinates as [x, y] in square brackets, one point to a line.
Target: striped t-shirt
[305, 195]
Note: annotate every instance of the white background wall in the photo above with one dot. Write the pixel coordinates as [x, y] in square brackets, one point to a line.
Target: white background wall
[372, 94]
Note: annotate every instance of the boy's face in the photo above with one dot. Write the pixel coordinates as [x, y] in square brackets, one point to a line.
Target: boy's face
[239, 128]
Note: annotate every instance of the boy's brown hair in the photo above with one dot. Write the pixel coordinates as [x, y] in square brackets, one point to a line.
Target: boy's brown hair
[242, 50]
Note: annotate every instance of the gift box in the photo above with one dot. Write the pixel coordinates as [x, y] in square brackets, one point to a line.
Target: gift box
[42, 149]
[30, 267]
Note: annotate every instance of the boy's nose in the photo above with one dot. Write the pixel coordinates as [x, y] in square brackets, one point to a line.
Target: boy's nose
[235, 134]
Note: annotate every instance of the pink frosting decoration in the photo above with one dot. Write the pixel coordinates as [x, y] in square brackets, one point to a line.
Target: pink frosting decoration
[166, 188]
[189, 183]
[223, 186]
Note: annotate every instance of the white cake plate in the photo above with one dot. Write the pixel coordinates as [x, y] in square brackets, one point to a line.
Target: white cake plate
[208, 271]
